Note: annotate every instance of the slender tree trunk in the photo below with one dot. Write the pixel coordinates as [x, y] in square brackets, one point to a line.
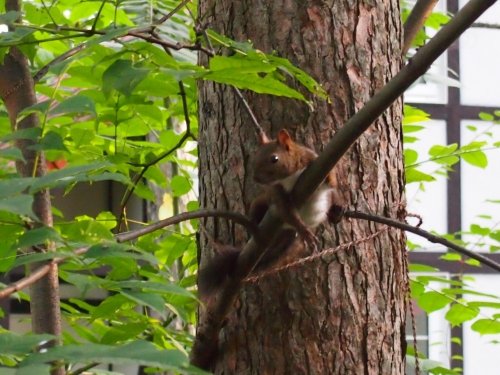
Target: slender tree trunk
[343, 314]
[17, 93]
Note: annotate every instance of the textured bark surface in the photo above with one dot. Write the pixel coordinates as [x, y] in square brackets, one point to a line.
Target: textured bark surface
[17, 93]
[343, 315]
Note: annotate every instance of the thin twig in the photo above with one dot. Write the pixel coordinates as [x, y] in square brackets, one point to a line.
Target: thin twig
[483, 25]
[172, 12]
[96, 19]
[83, 369]
[427, 235]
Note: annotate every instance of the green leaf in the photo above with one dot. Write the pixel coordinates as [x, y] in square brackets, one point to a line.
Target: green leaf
[477, 229]
[180, 185]
[135, 353]
[459, 313]
[440, 150]
[154, 301]
[123, 77]
[11, 153]
[416, 267]
[31, 133]
[10, 17]
[486, 326]
[410, 156]
[75, 104]
[11, 343]
[414, 175]
[165, 288]
[476, 158]
[78, 173]
[169, 138]
[238, 63]
[21, 260]
[14, 186]
[109, 306]
[123, 333]
[486, 116]
[50, 141]
[413, 115]
[256, 83]
[21, 204]
[38, 236]
[433, 301]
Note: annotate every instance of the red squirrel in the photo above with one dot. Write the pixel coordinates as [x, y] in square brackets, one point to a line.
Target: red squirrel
[277, 165]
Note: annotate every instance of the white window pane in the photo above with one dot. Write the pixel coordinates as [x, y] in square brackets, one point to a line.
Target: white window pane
[492, 15]
[431, 88]
[481, 352]
[480, 185]
[480, 67]
[431, 203]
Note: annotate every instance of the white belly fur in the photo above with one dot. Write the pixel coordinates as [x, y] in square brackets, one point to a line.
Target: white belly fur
[315, 210]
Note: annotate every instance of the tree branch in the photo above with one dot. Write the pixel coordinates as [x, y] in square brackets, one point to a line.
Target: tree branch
[419, 14]
[233, 216]
[40, 272]
[427, 235]
[37, 274]
[205, 344]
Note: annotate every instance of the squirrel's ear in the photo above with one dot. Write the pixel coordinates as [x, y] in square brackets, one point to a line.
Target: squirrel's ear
[284, 138]
[263, 138]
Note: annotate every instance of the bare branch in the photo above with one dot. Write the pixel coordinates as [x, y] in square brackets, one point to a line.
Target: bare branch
[234, 216]
[37, 274]
[427, 235]
[482, 25]
[419, 14]
[205, 343]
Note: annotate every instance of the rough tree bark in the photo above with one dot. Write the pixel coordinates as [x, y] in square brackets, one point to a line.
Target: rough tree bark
[17, 93]
[344, 314]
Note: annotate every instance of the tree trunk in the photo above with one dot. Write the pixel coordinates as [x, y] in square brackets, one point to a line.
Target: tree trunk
[17, 93]
[342, 314]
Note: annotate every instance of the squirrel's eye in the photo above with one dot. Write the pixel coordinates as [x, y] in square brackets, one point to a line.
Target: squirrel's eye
[274, 158]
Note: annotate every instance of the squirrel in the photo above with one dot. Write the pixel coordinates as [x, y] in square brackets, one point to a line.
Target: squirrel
[277, 165]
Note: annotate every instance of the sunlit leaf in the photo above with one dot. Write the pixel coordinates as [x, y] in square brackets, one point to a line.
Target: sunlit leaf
[433, 301]
[459, 313]
[414, 175]
[486, 326]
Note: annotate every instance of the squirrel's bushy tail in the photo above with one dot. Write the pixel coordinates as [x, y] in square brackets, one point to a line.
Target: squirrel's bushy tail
[217, 270]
